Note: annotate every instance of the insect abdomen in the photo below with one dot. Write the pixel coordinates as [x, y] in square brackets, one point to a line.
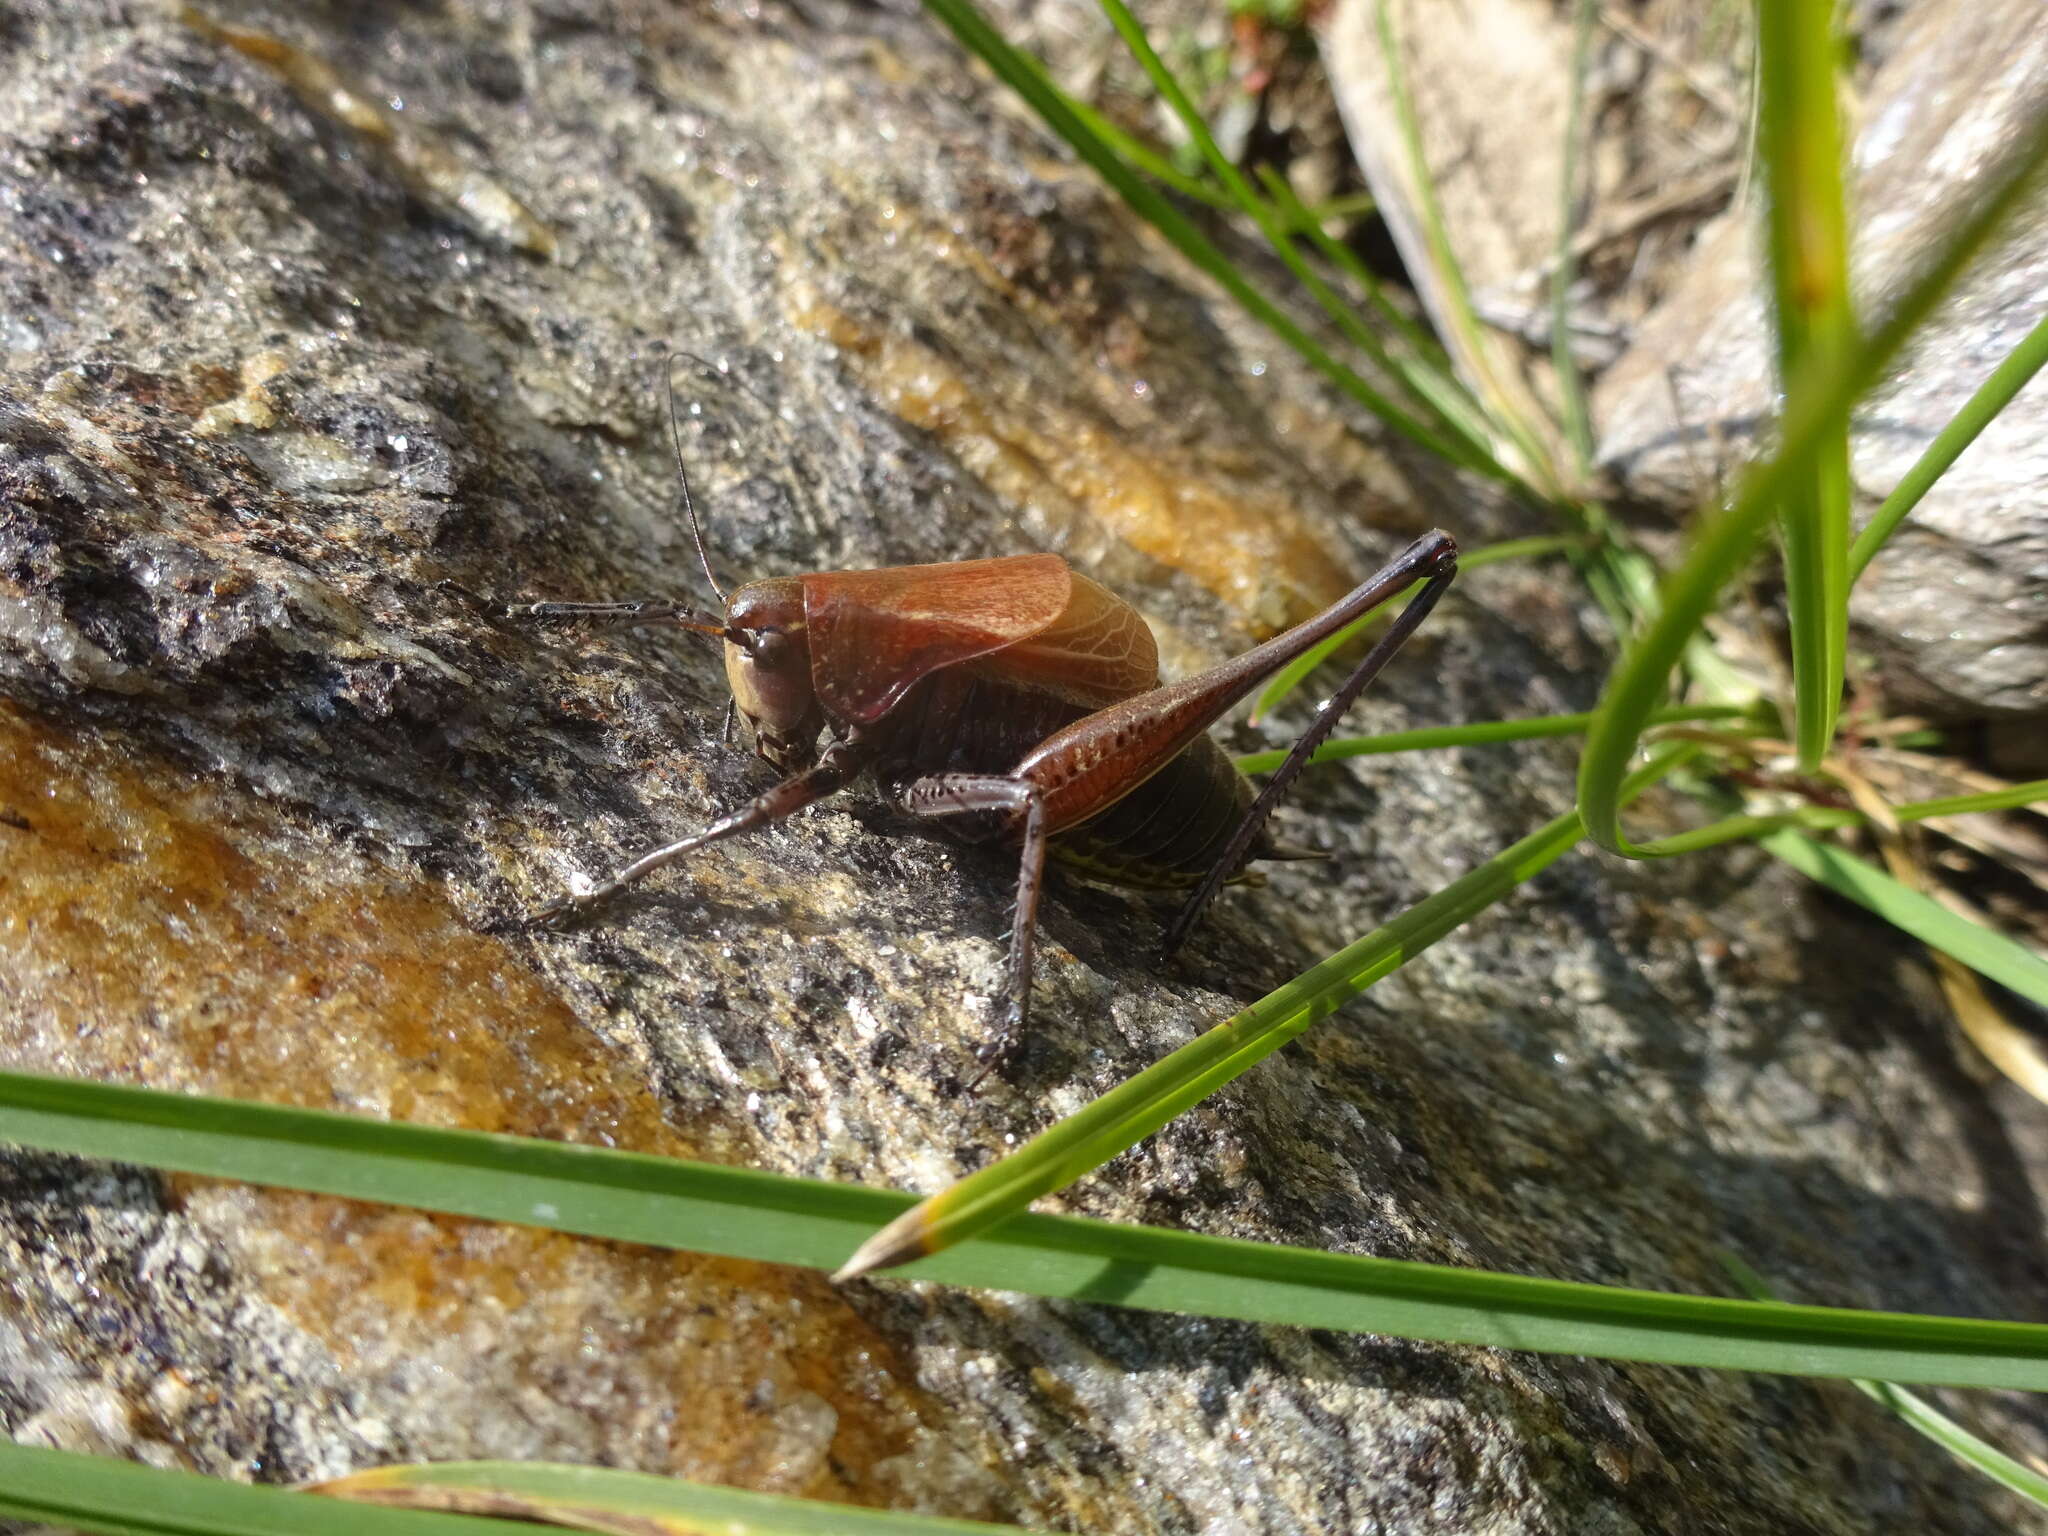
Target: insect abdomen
[1166, 833]
[1163, 835]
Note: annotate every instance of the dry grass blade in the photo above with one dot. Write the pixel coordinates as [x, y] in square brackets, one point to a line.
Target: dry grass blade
[2015, 843]
[2006, 1046]
[619, 1503]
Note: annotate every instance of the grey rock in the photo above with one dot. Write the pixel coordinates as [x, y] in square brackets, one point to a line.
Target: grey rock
[285, 417]
[1956, 606]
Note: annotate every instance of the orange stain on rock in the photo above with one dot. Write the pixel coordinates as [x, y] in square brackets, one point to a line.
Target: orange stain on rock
[1248, 546]
[193, 946]
[162, 928]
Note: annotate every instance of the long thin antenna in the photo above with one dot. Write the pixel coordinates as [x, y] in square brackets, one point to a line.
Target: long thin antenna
[675, 437]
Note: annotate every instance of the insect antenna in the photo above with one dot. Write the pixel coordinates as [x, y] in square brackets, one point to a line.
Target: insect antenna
[632, 615]
[675, 438]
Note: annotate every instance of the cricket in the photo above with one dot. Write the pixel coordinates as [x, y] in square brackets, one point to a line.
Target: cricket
[1016, 702]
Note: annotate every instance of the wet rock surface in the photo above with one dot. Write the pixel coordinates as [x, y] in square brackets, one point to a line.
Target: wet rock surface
[286, 413]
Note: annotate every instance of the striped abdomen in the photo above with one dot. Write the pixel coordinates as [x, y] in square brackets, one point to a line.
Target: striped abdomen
[1163, 835]
[1167, 832]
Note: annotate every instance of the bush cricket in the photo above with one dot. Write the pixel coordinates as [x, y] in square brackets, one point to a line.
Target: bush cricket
[1017, 700]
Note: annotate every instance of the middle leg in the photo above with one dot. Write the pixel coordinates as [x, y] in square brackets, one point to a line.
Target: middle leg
[959, 794]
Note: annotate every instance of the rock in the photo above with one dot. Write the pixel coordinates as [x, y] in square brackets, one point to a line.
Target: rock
[286, 417]
[1955, 611]
[1956, 607]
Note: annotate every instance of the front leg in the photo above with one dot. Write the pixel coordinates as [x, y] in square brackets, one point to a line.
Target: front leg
[838, 766]
[956, 794]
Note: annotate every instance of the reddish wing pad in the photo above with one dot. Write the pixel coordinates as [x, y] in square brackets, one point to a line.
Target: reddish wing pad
[1099, 652]
[875, 634]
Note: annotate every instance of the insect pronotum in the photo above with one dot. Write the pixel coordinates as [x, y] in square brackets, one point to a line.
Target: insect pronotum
[1016, 700]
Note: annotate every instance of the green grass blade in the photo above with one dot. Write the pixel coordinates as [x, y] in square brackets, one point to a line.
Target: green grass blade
[1279, 216]
[1134, 1109]
[1625, 582]
[744, 1214]
[1571, 390]
[592, 1191]
[1800, 141]
[1291, 676]
[1748, 827]
[2012, 797]
[1945, 1432]
[1923, 1416]
[1477, 733]
[1134, 150]
[1027, 79]
[1428, 350]
[640, 1500]
[1990, 954]
[1296, 215]
[1520, 549]
[125, 1498]
[1269, 220]
[1458, 313]
[1724, 540]
[1423, 368]
[1992, 396]
[1347, 205]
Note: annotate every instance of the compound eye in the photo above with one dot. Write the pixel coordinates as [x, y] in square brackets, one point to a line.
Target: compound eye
[772, 680]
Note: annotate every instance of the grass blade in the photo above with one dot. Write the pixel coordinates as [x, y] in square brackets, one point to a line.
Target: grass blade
[2012, 797]
[1800, 140]
[592, 1191]
[744, 1214]
[125, 1498]
[1571, 390]
[1477, 733]
[1134, 1109]
[1992, 396]
[100, 1493]
[1135, 151]
[1990, 954]
[1724, 540]
[1429, 351]
[1291, 676]
[1945, 1432]
[1028, 80]
[1922, 1415]
[2013, 1050]
[601, 1499]
[1419, 368]
[1270, 222]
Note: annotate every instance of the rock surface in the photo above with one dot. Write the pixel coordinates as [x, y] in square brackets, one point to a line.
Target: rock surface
[1955, 610]
[292, 396]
